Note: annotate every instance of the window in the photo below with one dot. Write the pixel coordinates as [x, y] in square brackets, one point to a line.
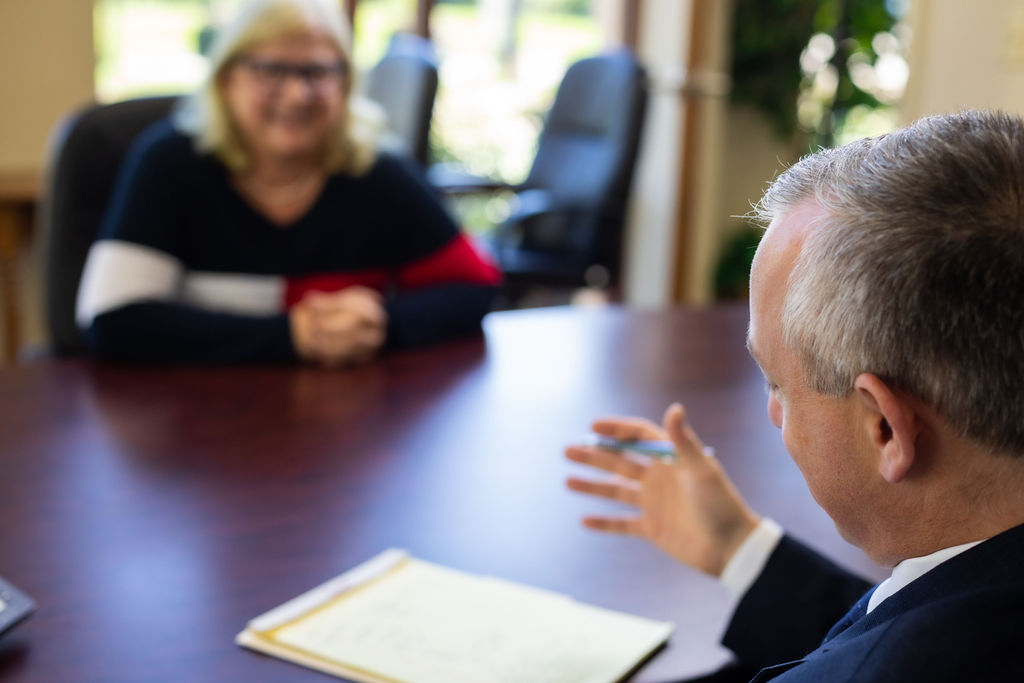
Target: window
[148, 47]
[500, 62]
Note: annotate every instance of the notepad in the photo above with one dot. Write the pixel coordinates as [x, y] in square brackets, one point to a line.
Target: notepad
[397, 619]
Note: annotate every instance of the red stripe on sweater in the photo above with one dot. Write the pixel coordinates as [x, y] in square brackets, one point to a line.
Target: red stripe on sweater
[298, 287]
[456, 262]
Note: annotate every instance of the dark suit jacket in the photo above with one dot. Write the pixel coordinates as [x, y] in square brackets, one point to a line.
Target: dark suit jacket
[962, 621]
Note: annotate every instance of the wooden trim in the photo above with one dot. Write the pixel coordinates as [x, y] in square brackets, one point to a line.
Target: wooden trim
[350, 11]
[10, 248]
[700, 12]
[423, 8]
[631, 14]
[19, 193]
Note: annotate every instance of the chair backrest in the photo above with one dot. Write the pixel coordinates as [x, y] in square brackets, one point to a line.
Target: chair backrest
[588, 148]
[404, 84]
[85, 154]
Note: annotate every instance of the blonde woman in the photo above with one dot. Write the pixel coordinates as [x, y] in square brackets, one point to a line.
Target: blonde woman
[260, 224]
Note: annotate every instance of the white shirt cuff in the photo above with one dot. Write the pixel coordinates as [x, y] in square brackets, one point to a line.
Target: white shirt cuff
[749, 560]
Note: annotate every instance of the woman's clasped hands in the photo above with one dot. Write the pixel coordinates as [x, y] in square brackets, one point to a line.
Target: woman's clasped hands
[346, 327]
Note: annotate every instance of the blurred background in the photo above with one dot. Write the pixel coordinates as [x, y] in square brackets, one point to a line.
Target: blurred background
[737, 89]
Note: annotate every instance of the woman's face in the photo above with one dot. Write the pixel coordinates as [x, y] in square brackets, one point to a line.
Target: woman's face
[285, 96]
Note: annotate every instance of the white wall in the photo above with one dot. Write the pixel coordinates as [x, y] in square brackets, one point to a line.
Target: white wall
[46, 70]
[965, 54]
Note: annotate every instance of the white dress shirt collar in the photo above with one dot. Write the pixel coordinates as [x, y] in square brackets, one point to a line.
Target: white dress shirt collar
[911, 569]
[749, 560]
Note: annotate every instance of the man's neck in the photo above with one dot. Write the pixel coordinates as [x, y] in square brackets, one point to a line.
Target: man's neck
[970, 496]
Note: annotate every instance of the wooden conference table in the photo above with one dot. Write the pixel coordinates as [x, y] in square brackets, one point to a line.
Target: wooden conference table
[151, 511]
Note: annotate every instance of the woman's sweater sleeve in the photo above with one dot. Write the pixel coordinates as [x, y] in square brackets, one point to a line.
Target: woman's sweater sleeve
[445, 282]
[128, 303]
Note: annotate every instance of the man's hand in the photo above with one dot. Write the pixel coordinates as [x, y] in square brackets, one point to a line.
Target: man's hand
[339, 328]
[689, 508]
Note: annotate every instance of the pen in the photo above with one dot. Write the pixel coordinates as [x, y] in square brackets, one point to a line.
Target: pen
[658, 449]
[665, 450]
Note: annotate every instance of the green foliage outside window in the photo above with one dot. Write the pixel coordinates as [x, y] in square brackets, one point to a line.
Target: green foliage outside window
[768, 38]
[822, 72]
[797, 61]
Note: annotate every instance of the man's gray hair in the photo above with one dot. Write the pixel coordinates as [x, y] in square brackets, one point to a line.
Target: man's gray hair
[917, 273]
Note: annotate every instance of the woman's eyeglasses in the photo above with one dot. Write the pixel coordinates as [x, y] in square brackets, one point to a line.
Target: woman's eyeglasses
[272, 74]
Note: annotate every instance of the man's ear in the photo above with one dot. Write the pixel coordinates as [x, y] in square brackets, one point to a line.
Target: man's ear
[892, 426]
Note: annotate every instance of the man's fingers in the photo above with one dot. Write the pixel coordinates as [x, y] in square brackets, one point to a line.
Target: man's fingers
[628, 465]
[615, 525]
[619, 492]
[627, 428]
[687, 443]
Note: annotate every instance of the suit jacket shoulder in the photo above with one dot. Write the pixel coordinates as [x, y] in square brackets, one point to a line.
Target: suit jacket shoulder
[960, 621]
[791, 606]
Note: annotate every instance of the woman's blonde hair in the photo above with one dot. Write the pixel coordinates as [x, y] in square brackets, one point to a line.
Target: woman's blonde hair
[350, 148]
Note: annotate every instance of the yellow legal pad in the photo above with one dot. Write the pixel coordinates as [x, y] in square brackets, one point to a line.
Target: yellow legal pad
[396, 619]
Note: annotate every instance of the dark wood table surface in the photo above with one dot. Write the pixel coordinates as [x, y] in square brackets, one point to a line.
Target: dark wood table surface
[151, 512]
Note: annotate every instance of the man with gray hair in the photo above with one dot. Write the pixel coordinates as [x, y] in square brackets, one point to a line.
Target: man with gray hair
[887, 314]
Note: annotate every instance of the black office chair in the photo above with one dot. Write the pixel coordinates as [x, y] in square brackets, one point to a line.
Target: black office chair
[86, 152]
[404, 84]
[567, 227]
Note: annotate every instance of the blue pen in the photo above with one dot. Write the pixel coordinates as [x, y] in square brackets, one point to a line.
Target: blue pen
[657, 449]
[664, 450]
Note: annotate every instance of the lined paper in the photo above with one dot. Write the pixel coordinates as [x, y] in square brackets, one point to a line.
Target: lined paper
[425, 623]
